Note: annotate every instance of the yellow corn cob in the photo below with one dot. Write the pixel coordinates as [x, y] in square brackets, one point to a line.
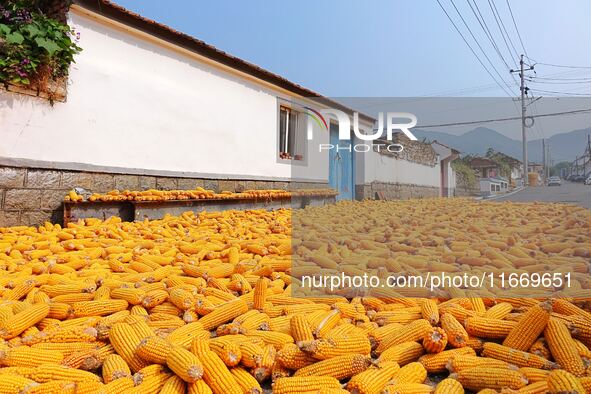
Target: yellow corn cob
[62, 335]
[292, 357]
[563, 347]
[66, 348]
[516, 357]
[153, 349]
[198, 387]
[216, 374]
[430, 311]
[373, 380]
[561, 381]
[540, 348]
[274, 338]
[460, 362]
[125, 340]
[534, 374]
[298, 385]
[15, 384]
[529, 327]
[499, 311]
[184, 336]
[410, 373]
[246, 381]
[224, 313]
[23, 320]
[260, 293]
[24, 356]
[403, 353]
[449, 386]
[154, 297]
[229, 352]
[98, 308]
[182, 298]
[411, 332]
[435, 341]
[408, 388]
[115, 367]
[184, 363]
[478, 378]
[485, 327]
[300, 329]
[122, 385]
[456, 334]
[534, 388]
[132, 295]
[47, 372]
[437, 362]
[55, 386]
[339, 367]
[326, 348]
[174, 385]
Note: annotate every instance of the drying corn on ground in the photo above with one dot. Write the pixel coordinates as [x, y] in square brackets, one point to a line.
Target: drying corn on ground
[203, 303]
[196, 194]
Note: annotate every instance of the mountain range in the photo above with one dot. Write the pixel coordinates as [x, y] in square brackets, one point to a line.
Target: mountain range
[563, 147]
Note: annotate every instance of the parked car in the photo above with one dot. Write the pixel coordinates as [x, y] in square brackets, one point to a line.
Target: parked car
[579, 178]
[588, 180]
[554, 181]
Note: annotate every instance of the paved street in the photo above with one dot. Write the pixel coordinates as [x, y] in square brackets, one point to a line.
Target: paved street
[569, 192]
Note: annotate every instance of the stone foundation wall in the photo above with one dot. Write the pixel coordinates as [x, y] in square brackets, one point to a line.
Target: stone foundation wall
[32, 196]
[394, 191]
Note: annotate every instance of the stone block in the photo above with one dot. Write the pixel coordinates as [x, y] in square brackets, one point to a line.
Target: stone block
[211, 184]
[12, 177]
[127, 182]
[9, 218]
[227, 185]
[35, 218]
[43, 179]
[52, 199]
[166, 183]
[147, 182]
[249, 185]
[189, 183]
[102, 183]
[72, 179]
[240, 186]
[22, 199]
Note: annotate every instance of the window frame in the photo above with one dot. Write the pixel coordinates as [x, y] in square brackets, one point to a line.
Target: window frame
[299, 139]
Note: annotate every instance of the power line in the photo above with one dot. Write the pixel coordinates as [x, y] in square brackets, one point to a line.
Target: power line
[549, 82]
[574, 112]
[499, 22]
[559, 65]
[487, 32]
[561, 79]
[478, 43]
[564, 93]
[516, 29]
[472, 50]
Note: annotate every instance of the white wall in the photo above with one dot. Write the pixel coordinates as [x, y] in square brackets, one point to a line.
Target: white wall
[381, 168]
[135, 104]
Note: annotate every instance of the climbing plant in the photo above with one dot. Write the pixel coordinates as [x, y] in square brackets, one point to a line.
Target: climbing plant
[34, 48]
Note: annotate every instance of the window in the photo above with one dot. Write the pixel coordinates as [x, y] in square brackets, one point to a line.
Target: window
[291, 134]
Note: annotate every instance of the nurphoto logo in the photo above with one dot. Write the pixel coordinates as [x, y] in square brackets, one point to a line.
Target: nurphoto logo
[392, 120]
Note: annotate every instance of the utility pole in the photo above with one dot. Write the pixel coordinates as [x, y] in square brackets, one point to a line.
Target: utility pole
[544, 164]
[523, 90]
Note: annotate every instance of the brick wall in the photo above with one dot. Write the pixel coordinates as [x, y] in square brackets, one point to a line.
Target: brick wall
[31, 196]
[394, 191]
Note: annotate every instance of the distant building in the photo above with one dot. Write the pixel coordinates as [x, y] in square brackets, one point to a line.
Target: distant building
[484, 167]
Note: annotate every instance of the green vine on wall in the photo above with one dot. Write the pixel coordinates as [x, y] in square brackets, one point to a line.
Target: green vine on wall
[34, 48]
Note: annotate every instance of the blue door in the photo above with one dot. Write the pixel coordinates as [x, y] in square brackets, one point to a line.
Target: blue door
[340, 175]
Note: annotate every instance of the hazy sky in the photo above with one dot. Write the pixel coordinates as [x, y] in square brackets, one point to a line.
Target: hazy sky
[393, 47]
